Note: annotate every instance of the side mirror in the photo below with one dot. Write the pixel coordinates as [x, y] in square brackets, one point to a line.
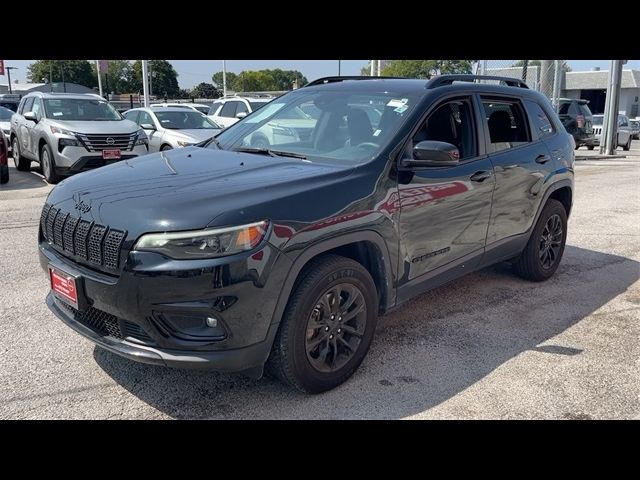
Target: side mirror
[241, 114]
[30, 116]
[431, 153]
[147, 126]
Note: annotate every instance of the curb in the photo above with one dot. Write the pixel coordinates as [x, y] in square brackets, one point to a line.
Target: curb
[598, 157]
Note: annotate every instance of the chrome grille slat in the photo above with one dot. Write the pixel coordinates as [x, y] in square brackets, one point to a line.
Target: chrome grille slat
[99, 142]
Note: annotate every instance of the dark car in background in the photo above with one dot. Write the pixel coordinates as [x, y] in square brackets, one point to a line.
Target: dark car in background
[4, 159]
[577, 119]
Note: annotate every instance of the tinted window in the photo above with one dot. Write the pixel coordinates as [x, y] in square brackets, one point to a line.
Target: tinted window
[622, 121]
[228, 110]
[539, 120]
[256, 105]
[506, 123]
[598, 120]
[568, 108]
[202, 109]
[133, 116]
[5, 113]
[28, 104]
[242, 108]
[585, 110]
[214, 108]
[451, 123]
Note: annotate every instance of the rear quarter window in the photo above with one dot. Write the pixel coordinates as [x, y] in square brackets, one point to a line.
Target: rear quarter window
[540, 122]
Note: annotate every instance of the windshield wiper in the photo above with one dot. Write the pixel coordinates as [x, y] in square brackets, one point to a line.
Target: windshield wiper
[214, 140]
[268, 151]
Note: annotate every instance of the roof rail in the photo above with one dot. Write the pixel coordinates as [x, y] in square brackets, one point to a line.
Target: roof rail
[323, 80]
[442, 80]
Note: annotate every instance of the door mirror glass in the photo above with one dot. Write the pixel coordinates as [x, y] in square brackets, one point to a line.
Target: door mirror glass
[147, 126]
[31, 116]
[241, 114]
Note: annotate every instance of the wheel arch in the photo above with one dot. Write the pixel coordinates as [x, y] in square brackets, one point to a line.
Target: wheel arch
[366, 247]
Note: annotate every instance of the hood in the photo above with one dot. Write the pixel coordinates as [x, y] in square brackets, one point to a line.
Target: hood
[188, 188]
[97, 127]
[195, 135]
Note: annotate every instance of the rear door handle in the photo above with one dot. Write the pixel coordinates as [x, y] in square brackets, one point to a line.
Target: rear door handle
[542, 159]
[481, 176]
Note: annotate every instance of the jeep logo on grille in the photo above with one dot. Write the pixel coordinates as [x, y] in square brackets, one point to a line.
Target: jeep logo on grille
[110, 141]
[82, 207]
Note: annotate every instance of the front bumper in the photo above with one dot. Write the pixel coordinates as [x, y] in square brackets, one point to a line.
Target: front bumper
[165, 304]
[77, 159]
[235, 360]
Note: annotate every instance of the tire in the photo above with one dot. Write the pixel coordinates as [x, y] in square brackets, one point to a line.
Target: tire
[166, 147]
[4, 173]
[293, 358]
[590, 147]
[530, 265]
[48, 165]
[628, 145]
[23, 164]
[260, 141]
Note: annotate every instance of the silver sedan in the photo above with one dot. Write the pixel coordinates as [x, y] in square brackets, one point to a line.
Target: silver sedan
[170, 127]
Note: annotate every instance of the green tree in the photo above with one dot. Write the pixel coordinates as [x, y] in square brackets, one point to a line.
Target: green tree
[217, 79]
[204, 90]
[120, 77]
[284, 79]
[425, 68]
[73, 71]
[164, 78]
[253, 81]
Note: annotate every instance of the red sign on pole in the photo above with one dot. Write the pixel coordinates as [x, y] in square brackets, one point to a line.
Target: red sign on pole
[1, 67]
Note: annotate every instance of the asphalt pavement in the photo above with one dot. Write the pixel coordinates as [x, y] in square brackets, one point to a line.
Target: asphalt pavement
[489, 345]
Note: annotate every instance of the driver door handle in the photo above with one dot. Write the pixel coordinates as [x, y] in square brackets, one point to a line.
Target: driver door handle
[542, 159]
[481, 176]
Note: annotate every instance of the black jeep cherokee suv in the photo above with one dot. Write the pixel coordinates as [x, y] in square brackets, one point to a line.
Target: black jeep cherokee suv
[239, 253]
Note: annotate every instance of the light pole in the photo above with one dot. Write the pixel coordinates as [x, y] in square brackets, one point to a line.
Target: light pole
[8, 69]
[339, 65]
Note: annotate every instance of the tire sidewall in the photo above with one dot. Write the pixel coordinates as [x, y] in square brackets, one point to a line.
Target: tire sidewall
[51, 177]
[15, 153]
[552, 208]
[310, 379]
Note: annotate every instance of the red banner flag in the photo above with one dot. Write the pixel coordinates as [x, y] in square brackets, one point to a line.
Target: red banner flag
[1, 67]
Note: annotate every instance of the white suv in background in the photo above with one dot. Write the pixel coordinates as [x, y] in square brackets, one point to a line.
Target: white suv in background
[227, 111]
[198, 107]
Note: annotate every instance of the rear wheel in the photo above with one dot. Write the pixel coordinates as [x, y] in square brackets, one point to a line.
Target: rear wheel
[627, 146]
[328, 325]
[166, 147]
[4, 173]
[590, 147]
[541, 257]
[48, 165]
[23, 164]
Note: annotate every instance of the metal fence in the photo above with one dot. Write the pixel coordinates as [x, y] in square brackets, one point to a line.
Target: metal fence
[545, 76]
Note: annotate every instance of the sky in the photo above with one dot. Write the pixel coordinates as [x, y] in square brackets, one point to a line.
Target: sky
[192, 72]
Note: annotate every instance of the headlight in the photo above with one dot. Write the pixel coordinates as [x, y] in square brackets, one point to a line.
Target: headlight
[142, 138]
[68, 142]
[185, 144]
[61, 131]
[211, 243]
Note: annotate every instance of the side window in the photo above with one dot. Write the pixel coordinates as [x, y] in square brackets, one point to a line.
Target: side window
[228, 110]
[133, 116]
[145, 118]
[452, 123]
[506, 123]
[28, 105]
[37, 108]
[539, 120]
[242, 108]
[214, 108]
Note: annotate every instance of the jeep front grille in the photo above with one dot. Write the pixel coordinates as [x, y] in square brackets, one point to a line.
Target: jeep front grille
[87, 241]
[99, 142]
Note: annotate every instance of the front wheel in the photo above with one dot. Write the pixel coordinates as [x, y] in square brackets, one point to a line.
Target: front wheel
[541, 257]
[23, 164]
[628, 145]
[328, 325]
[48, 165]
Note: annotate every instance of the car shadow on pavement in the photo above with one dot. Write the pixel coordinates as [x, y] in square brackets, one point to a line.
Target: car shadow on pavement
[431, 349]
[24, 180]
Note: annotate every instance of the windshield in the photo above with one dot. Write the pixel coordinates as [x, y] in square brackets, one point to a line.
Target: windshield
[597, 120]
[5, 113]
[187, 120]
[345, 127]
[80, 109]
